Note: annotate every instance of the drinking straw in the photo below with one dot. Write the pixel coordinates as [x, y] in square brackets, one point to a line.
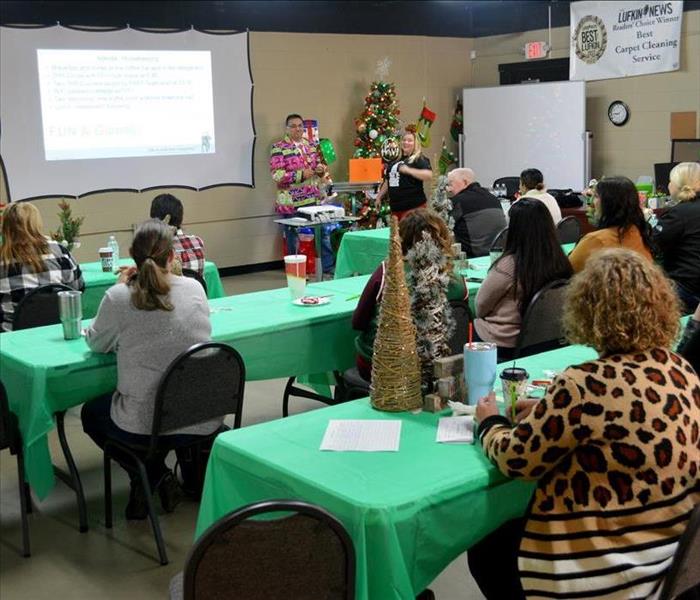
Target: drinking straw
[471, 334]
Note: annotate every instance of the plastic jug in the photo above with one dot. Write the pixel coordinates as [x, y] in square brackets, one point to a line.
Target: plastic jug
[307, 248]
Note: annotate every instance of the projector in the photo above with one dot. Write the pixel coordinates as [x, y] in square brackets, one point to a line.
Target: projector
[321, 214]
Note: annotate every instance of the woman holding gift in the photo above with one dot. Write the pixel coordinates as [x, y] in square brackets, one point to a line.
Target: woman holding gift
[28, 259]
[621, 222]
[678, 233]
[613, 447]
[404, 179]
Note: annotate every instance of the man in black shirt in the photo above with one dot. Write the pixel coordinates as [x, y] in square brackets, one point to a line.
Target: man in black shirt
[477, 213]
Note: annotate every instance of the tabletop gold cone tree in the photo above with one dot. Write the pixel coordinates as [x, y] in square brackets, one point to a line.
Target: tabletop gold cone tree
[396, 380]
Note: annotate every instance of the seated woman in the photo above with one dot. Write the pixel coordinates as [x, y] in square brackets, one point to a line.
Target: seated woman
[532, 186]
[612, 447]
[189, 249]
[366, 316]
[678, 233]
[531, 259]
[620, 220]
[28, 260]
[148, 318]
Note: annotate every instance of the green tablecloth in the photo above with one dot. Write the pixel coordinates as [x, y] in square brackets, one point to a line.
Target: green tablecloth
[361, 252]
[97, 283]
[43, 373]
[409, 513]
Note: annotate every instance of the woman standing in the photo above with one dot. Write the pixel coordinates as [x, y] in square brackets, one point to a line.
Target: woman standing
[532, 258]
[621, 222]
[532, 186]
[613, 447]
[148, 318]
[678, 234]
[404, 179]
[28, 260]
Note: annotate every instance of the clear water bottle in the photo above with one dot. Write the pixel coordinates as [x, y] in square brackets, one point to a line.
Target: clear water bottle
[114, 245]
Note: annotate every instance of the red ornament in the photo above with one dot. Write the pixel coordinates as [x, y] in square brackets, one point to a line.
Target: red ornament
[358, 143]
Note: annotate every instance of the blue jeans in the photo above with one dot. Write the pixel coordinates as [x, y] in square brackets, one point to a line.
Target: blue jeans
[327, 259]
[98, 424]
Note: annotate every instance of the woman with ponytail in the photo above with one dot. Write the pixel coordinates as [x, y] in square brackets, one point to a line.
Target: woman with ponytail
[148, 318]
[677, 234]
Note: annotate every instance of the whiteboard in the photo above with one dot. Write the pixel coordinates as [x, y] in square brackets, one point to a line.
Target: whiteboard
[510, 128]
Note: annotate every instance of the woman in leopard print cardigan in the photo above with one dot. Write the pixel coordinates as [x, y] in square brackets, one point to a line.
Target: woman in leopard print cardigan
[614, 446]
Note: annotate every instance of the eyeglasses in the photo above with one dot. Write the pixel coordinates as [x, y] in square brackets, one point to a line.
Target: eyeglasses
[300, 126]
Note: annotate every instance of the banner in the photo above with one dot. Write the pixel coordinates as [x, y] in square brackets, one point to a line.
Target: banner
[622, 39]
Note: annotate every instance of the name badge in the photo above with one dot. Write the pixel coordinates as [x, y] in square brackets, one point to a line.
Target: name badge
[394, 175]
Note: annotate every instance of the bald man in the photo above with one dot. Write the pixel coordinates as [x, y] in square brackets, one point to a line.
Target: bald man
[477, 213]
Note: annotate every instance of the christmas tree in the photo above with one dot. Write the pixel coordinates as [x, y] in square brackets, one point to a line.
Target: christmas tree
[428, 279]
[378, 121]
[440, 203]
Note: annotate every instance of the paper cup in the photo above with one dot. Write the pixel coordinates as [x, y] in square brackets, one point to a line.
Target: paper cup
[295, 268]
[514, 382]
[107, 259]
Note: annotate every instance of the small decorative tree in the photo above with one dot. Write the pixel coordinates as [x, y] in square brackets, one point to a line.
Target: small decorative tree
[69, 229]
[439, 201]
[428, 279]
[396, 381]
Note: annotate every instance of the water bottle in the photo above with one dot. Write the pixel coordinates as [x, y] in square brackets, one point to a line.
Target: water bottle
[114, 245]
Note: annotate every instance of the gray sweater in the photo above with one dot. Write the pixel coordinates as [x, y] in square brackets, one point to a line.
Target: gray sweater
[146, 342]
[498, 318]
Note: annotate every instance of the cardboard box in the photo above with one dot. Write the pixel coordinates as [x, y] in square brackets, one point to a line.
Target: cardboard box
[364, 170]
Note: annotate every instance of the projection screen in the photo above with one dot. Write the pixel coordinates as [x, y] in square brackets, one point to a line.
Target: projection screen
[87, 111]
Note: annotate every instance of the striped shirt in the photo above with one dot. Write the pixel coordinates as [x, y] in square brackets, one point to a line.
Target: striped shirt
[615, 449]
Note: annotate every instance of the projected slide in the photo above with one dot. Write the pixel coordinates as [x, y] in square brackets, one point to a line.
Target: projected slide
[125, 103]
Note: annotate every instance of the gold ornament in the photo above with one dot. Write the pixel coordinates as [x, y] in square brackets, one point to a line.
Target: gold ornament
[396, 378]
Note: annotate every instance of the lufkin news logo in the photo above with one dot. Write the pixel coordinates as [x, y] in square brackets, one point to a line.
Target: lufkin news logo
[590, 39]
[662, 9]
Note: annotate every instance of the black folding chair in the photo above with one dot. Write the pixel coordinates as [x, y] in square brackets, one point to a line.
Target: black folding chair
[499, 242]
[11, 439]
[305, 554]
[569, 230]
[512, 185]
[462, 316]
[205, 382]
[37, 309]
[683, 579]
[292, 390]
[195, 275]
[542, 328]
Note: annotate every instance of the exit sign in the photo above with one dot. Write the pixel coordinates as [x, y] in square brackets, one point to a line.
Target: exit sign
[536, 50]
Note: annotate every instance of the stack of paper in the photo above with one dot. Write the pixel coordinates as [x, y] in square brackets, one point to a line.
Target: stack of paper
[352, 435]
[456, 430]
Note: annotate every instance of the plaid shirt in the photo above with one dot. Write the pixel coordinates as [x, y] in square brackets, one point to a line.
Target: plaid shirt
[16, 279]
[190, 250]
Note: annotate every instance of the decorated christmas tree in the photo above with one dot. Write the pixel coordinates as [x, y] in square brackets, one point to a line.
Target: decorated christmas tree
[439, 201]
[428, 279]
[396, 380]
[379, 119]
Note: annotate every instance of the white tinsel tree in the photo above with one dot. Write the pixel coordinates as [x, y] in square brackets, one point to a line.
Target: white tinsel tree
[428, 279]
[440, 203]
